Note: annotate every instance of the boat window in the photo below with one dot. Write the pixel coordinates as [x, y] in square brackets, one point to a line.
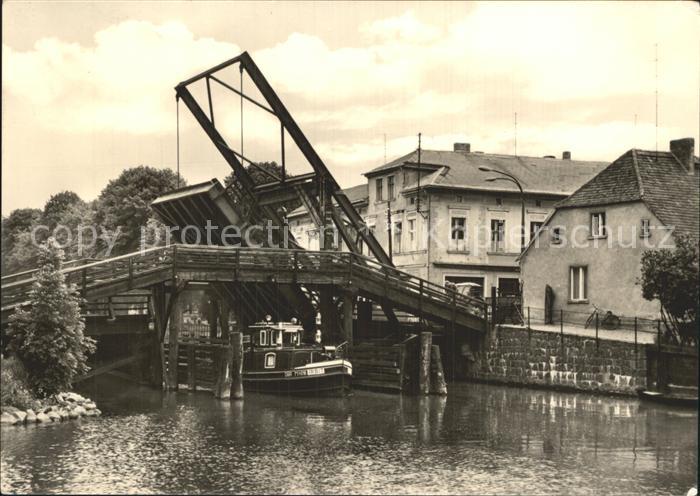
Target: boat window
[263, 338]
[270, 360]
[301, 358]
[276, 338]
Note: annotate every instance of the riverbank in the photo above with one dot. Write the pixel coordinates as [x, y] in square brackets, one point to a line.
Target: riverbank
[18, 406]
[58, 408]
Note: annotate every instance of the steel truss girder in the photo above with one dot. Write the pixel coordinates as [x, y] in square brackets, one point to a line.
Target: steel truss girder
[287, 122]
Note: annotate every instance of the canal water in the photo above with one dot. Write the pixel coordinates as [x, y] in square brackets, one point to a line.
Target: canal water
[480, 439]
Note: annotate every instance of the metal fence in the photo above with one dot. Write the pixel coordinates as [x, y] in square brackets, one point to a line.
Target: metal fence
[595, 323]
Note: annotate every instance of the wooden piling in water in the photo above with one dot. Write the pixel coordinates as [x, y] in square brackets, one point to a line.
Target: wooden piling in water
[437, 374]
[426, 343]
[237, 366]
[222, 387]
[191, 368]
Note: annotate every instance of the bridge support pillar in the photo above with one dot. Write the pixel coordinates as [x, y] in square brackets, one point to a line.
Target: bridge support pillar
[329, 315]
[222, 388]
[214, 313]
[348, 306]
[173, 349]
[225, 312]
[364, 318]
[237, 366]
[160, 321]
[426, 345]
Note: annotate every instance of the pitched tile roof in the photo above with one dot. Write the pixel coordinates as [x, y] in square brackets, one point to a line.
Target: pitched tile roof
[656, 178]
[461, 170]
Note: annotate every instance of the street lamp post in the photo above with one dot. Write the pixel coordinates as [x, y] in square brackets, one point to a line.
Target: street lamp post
[510, 178]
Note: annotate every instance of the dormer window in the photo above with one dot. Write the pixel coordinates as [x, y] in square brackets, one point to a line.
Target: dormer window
[499, 201]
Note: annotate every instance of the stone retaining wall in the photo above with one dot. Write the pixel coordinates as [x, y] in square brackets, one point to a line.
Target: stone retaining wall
[538, 358]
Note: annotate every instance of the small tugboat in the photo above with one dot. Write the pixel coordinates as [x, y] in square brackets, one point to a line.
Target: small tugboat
[277, 361]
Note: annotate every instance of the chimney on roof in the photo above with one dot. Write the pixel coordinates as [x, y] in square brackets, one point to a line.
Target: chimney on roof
[462, 147]
[566, 156]
[683, 149]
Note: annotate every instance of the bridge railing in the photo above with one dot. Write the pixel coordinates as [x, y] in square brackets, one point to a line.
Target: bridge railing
[326, 263]
[29, 274]
[94, 273]
[190, 257]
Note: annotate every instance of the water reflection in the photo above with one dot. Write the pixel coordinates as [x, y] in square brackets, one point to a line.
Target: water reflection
[480, 439]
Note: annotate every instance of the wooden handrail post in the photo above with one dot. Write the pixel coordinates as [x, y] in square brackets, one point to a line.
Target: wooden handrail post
[131, 273]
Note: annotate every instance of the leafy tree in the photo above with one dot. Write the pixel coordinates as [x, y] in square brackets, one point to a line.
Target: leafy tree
[81, 233]
[259, 177]
[48, 338]
[56, 207]
[23, 255]
[20, 221]
[671, 276]
[124, 204]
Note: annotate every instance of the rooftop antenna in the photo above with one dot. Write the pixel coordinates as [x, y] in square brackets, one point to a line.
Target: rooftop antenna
[515, 134]
[177, 135]
[419, 174]
[656, 97]
[419, 137]
[385, 148]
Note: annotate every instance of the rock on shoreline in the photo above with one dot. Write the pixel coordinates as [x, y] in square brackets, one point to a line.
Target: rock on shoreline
[60, 407]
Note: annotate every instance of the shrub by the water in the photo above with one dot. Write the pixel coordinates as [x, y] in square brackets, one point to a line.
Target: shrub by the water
[14, 390]
[48, 338]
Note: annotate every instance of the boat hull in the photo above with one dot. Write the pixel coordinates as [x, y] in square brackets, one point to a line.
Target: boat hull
[317, 379]
[669, 399]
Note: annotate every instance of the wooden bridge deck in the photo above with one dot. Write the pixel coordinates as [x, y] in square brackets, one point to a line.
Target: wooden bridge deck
[264, 265]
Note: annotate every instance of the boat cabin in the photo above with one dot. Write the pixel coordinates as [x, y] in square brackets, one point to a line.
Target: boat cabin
[276, 335]
[278, 345]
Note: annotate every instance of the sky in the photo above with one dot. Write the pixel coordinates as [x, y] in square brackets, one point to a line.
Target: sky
[88, 87]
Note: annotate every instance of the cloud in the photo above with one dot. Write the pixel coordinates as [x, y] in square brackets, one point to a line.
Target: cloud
[122, 83]
[578, 74]
[404, 28]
